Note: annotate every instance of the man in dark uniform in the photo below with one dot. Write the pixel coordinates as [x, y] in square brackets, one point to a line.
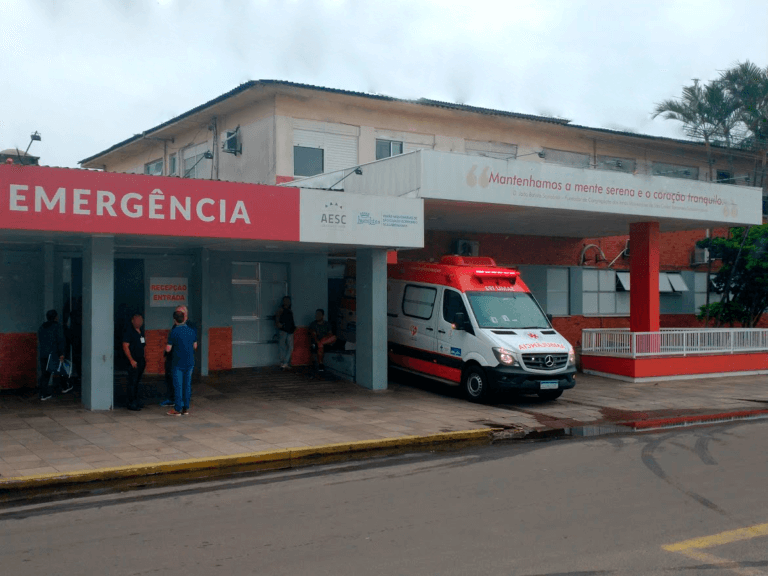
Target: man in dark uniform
[133, 347]
[51, 342]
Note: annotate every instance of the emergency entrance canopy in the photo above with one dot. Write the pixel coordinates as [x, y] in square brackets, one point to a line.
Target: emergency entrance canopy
[539, 198]
[90, 202]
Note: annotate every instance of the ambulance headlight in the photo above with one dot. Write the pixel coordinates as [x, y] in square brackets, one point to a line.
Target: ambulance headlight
[572, 357]
[505, 357]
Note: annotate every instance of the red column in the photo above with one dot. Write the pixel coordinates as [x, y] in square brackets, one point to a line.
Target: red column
[644, 277]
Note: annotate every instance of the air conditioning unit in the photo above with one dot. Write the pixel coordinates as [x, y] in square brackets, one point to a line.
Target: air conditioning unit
[231, 142]
[699, 256]
[466, 247]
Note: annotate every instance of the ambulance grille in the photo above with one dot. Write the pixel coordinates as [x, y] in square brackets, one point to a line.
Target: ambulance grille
[540, 361]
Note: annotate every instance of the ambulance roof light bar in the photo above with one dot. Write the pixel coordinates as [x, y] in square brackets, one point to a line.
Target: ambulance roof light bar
[498, 273]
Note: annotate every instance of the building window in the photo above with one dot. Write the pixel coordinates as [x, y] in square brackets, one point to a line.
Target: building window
[564, 158]
[558, 291]
[599, 293]
[307, 161]
[154, 168]
[388, 148]
[195, 164]
[172, 165]
[700, 287]
[616, 164]
[419, 301]
[675, 171]
[725, 177]
[499, 150]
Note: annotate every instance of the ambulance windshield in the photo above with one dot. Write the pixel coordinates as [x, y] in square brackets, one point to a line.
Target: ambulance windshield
[506, 310]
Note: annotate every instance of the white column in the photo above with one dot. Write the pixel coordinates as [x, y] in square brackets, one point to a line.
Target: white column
[371, 287]
[98, 322]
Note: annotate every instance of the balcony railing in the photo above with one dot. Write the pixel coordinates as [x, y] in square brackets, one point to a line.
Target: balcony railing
[673, 342]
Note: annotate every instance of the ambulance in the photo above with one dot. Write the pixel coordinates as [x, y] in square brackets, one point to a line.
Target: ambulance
[466, 321]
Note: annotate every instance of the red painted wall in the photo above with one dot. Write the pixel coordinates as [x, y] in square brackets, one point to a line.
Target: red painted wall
[301, 355]
[154, 350]
[219, 349]
[675, 365]
[18, 360]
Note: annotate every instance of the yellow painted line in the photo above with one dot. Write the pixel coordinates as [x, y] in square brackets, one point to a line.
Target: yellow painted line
[293, 455]
[729, 565]
[719, 539]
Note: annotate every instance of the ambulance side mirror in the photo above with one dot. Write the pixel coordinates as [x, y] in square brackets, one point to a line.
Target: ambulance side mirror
[460, 321]
[549, 317]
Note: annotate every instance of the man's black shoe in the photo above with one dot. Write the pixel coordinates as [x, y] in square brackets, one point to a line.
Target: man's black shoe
[134, 407]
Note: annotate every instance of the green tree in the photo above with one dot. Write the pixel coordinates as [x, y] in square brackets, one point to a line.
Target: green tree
[743, 278]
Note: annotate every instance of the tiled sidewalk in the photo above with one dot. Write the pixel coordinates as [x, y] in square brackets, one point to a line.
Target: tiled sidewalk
[248, 411]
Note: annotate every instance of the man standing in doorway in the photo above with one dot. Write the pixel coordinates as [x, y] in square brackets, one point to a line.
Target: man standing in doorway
[182, 343]
[51, 343]
[133, 348]
[286, 327]
[320, 336]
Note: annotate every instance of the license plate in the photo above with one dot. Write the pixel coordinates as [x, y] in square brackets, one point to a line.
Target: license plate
[549, 384]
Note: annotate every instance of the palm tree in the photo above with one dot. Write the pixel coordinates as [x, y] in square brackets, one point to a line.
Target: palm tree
[700, 110]
[747, 85]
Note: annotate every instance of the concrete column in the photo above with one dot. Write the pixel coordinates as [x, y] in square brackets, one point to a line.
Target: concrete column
[371, 356]
[49, 280]
[204, 310]
[98, 322]
[644, 277]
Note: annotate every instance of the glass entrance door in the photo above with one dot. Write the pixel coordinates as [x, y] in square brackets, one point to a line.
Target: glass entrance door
[257, 290]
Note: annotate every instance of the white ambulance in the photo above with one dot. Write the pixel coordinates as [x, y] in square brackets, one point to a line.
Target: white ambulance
[465, 321]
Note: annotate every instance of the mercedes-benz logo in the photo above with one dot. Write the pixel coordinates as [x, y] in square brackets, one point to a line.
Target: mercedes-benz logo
[549, 361]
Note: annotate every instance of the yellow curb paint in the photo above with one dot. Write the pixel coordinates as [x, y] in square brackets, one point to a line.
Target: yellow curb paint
[719, 539]
[217, 462]
[729, 565]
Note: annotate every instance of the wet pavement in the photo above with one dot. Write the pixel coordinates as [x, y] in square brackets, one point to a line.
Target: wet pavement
[256, 410]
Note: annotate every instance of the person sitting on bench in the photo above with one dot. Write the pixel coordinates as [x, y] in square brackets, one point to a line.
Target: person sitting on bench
[320, 335]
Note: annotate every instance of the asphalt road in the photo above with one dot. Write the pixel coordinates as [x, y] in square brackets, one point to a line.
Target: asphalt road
[598, 506]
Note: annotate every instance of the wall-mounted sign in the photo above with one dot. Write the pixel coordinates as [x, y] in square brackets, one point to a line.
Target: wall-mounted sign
[168, 292]
[365, 220]
[60, 199]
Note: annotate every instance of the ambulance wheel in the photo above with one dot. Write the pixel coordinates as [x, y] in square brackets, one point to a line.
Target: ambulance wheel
[475, 384]
[550, 394]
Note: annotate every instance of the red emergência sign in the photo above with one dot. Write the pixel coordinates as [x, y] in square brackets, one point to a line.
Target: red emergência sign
[67, 200]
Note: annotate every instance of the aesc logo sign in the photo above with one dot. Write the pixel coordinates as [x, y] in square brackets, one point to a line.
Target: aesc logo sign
[333, 215]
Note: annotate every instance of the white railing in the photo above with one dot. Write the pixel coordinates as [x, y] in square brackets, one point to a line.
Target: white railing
[673, 341]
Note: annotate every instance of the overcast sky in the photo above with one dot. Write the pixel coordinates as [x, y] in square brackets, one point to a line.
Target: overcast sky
[88, 74]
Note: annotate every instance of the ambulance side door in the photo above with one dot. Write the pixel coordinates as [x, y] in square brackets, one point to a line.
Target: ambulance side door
[418, 314]
[450, 341]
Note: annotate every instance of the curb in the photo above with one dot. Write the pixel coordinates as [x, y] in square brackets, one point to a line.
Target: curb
[287, 455]
[692, 420]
